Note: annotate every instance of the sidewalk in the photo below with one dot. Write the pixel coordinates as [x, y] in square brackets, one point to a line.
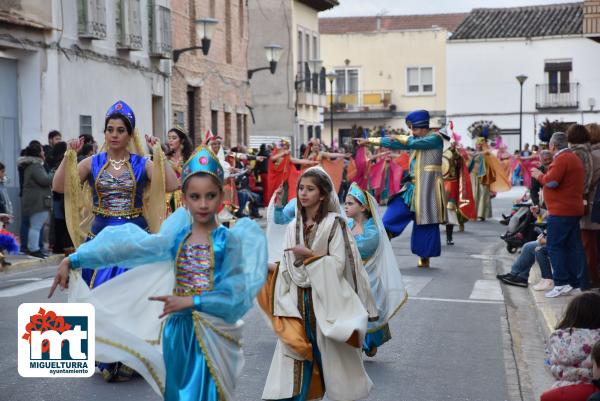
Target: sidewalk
[21, 262]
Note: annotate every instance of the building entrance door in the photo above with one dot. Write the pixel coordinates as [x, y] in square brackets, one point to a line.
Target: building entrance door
[9, 132]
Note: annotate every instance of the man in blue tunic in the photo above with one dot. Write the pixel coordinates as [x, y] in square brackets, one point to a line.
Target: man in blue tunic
[422, 197]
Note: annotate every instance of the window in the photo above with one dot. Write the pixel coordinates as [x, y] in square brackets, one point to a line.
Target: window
[239, 129]
[307, 56]
[346, 81]
[85, 125]
[214, 122]
[315, 48]
[559, 76]
[227, 132]
[419, 80]
[91, 19]
[179, 117]
[159, 28]
[228, 39]
[129, 24]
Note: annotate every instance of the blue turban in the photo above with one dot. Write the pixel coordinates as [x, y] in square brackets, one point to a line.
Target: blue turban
[121, 108]
[418, 119]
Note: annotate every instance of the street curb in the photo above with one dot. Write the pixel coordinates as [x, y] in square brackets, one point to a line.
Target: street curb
[32, 263]
[548, 310]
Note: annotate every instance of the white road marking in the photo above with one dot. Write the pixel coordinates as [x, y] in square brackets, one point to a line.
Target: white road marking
[25, 288]
[414, 284]
[466, 301]
[487, 290]
[25, 279]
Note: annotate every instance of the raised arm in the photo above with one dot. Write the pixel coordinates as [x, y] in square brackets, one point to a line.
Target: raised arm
[83, 168]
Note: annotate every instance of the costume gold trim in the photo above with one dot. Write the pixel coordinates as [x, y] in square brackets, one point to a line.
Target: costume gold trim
[139, 356]
[403, 139]
[74, 198]
[374, 141]
[209, 362]
[155, 208]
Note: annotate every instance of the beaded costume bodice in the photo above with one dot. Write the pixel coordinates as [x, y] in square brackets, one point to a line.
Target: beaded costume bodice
[194, 269]
[115, 193]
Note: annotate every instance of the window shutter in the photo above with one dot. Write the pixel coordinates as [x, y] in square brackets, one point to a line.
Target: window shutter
[129, 25]
[160, 32]
[322, 81]
[91, 19]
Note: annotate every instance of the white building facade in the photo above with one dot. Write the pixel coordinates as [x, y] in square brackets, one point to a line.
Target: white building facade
[64, 63]
[561, 69]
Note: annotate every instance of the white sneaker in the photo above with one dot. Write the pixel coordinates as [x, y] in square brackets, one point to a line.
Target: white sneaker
[576, 291]
[559, 290]
[544, 284]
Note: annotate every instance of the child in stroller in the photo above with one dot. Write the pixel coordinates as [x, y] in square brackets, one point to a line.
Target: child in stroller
[521, 224]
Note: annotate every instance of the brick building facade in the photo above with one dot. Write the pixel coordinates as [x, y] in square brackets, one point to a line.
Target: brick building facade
[211, 92]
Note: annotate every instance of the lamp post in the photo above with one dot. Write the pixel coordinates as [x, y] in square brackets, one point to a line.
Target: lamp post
[521, 79]
[273, 54]
[205, 28]
[331, 76]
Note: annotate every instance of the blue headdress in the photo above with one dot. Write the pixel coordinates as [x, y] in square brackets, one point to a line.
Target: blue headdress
[202, 161]
[120, 107]
[358, 194]
[418, 119]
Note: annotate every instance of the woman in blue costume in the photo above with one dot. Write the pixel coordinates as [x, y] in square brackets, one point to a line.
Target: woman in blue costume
[379, 261]
[212, 272]
[118, 178]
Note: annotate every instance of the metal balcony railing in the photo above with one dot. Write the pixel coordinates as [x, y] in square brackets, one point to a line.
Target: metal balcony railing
[361, 100]
[557, 96]
[314, 82]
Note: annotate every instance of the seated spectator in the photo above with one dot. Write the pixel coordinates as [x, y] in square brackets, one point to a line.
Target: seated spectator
[596, 372]
[530, 253]
[570, 347]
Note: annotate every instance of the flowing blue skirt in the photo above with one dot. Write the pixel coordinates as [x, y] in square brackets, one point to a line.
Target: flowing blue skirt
[95, 277]
[188, 375]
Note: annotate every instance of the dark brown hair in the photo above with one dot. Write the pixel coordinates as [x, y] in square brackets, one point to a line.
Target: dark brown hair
[596, 354]
[186, 144]
[215, 180]
[594, 131]
[577, 134]
[582, 312]
[324, 185]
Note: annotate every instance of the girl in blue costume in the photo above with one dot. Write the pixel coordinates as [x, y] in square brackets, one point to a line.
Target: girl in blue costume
[379, 261]
[118, 179]
[212, 272]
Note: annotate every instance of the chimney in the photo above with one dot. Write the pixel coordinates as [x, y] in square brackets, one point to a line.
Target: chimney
[591, 18]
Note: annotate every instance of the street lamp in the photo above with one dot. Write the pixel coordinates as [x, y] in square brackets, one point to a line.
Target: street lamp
[331, 76]
[273, 55]
[205, 28]
[521, 79]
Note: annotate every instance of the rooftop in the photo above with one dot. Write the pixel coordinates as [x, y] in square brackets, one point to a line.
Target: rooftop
[522, 22]
[386, 23]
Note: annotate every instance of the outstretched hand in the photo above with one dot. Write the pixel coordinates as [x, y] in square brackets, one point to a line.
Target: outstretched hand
[62, 277]
[173, 303]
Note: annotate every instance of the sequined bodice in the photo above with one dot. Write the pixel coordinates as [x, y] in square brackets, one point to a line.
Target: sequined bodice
[194, 270]
[116, 194]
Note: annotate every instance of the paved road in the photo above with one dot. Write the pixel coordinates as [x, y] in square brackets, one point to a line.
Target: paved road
[450, 341]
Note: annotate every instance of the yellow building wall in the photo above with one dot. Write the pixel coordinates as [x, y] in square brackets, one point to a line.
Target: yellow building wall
[383, 57]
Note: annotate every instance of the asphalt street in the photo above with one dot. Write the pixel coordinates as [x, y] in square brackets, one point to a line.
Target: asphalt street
[450, 341]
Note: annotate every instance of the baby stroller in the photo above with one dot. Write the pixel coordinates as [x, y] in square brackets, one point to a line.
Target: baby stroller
[521, 228]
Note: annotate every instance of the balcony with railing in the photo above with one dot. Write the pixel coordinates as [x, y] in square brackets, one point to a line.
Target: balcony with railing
[362, 101]
[557, 96]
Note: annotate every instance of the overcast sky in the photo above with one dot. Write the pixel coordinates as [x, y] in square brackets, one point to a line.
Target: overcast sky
[398, 7]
